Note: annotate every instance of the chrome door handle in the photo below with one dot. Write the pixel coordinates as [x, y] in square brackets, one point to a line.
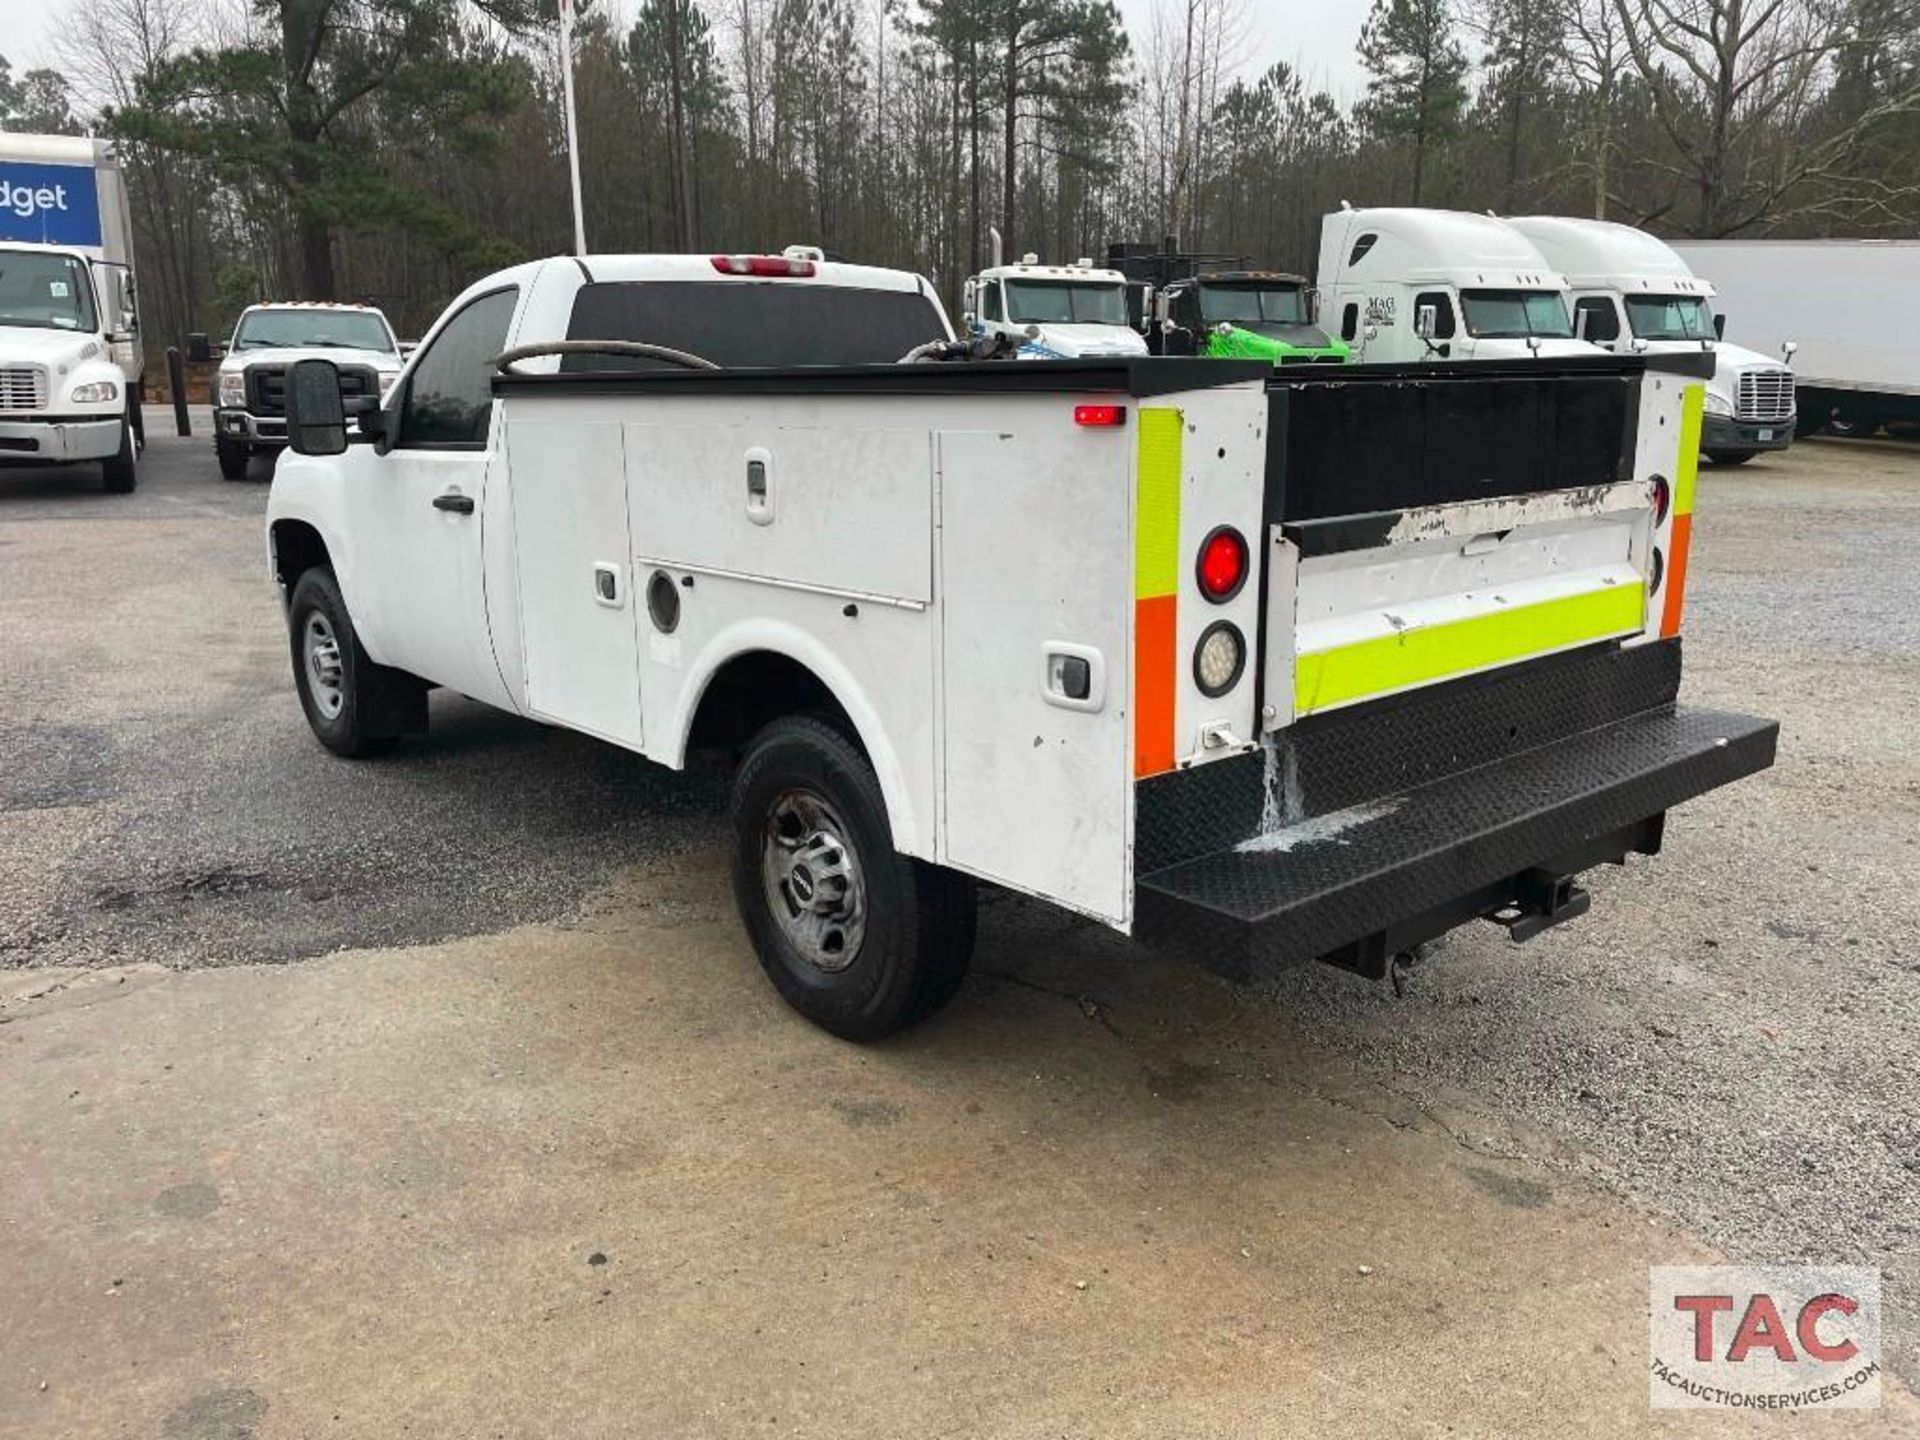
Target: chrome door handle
[456, 502]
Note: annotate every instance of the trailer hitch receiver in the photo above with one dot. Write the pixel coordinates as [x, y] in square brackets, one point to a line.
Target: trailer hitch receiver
[1542, 899]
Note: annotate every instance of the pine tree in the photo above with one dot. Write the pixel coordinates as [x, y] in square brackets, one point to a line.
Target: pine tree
[1418, 90]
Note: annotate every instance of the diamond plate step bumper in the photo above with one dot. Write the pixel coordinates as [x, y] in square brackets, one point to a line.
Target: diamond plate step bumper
[1358, 886]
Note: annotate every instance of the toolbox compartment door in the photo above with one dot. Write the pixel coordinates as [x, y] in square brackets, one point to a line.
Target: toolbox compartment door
[1035, 568]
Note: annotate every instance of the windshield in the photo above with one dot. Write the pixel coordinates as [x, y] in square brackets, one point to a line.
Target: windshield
[313, 329]
[1669, 317]
[1516, 314]
[48, 292]
[1253, 305]
[1052, 302]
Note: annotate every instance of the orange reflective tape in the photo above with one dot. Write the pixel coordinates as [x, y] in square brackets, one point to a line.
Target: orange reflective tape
[1156, 636]
[1676, 581]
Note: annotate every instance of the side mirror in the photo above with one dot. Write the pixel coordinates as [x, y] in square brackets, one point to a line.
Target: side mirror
[199, 351]
[1313, 307]
[1162, 309]
[1371, 331]
[1426, 321]
[1789, 350]
[1640, 346]
[970, 294]
[316, 418]
[407, 347]
[1720, 327]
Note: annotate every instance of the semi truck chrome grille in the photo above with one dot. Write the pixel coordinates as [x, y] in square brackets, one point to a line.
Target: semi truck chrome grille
[1765, 395]
[23, 387]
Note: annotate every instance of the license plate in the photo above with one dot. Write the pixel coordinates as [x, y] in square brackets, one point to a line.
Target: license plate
[1766, 434]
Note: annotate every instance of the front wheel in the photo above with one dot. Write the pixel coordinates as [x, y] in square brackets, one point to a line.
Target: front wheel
[1731, 457]
[117, 470]
[860, 939]
[357, 708]
[232, 458]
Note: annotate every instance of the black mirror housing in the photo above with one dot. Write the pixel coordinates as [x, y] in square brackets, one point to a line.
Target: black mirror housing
[316, 418]
[1720, 327]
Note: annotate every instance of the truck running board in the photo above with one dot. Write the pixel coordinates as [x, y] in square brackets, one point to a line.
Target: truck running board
[1502, 841]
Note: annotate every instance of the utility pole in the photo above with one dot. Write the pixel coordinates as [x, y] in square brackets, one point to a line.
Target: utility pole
[573, 130]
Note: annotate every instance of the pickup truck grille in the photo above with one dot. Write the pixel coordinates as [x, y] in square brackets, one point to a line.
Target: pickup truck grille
[267, 386]
[1765, 395]
[23, 387]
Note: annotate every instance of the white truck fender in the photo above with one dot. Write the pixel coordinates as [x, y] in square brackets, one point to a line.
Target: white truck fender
[295, 509]
[778, 637]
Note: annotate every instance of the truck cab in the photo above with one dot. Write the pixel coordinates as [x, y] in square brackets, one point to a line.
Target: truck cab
[250, 400]
[1054, 312]
[70, 356]
[1405, 286]
[1243, 315]
[1630, 289]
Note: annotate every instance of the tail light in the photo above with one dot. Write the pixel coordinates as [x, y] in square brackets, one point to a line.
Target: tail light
[1100, 417]
[1223, 564]
[767, 267]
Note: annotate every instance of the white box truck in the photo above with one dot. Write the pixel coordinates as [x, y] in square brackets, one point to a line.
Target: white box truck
[1407, 286]
[70, 357]
[1265, 664]
[1849, 305]
[1633, 290]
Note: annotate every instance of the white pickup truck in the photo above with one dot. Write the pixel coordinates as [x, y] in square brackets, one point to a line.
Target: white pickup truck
[1265, 665]
[249, 389]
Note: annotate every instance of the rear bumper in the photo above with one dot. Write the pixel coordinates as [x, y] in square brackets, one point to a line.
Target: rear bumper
[1518, 782]
[1720, 435]
[51, 442]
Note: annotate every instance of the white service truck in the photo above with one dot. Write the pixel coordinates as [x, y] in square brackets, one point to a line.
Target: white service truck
[1052, 312]
[1849, 308]
[70, 353]
[1409, 285]
[1632, 289]
[1260, 664]
[250, 399]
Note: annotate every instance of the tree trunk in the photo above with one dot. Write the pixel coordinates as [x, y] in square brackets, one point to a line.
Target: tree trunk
[1010, 137]
[313, 243]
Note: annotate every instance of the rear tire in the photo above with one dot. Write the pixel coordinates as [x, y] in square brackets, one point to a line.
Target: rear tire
[233, 459]
[860, 939]
[356, 708]
[117, 471]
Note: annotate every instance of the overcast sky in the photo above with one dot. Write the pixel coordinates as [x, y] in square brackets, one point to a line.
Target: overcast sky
[1316, 35]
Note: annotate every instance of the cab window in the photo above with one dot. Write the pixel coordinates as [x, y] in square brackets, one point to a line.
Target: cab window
[449, 400]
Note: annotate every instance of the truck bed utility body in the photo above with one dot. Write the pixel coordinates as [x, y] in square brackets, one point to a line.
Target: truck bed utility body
[1265, 665]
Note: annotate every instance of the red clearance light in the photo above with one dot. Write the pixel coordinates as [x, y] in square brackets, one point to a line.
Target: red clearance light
[1100, 417]
[1223, 564]
[768, 267]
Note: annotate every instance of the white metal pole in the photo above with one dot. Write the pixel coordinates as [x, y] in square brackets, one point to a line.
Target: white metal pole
[573, 132]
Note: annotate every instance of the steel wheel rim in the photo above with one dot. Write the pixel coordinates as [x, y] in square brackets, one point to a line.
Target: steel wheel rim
[814, 886]
[326, 673]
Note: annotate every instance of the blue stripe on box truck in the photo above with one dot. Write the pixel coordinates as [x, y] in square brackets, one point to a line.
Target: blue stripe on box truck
[49, 204]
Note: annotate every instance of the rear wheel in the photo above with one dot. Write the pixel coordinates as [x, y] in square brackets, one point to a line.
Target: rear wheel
[355, 707]
[117, 471]
[233, 459]
[860, 939]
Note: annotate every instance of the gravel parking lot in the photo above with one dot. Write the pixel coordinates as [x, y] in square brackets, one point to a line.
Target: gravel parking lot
[1721, 1059]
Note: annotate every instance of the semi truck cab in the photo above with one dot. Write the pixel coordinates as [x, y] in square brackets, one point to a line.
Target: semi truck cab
[1630, 289]
[1243, 315]
[1408, 286]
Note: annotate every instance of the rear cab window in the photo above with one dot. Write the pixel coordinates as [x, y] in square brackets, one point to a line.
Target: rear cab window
[772, 324]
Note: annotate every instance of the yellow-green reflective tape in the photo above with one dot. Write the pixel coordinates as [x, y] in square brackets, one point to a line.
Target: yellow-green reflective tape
[1156, 544]
[1693, 406]
[1435, 652]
